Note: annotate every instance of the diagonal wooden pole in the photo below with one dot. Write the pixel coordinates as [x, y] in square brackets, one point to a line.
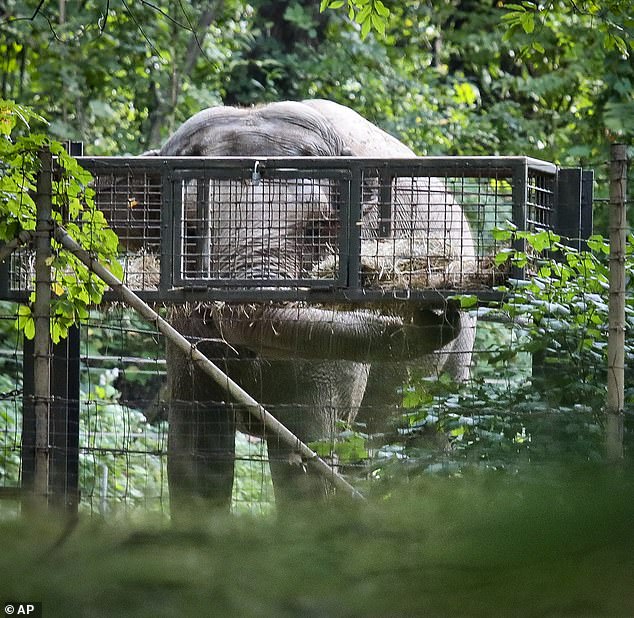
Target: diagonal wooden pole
[8, 248]
[221, 378]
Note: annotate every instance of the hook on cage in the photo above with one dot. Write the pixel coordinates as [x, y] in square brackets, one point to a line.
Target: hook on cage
[255, 175]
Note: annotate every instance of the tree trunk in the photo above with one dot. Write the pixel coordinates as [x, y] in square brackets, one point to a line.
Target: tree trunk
[166, 105]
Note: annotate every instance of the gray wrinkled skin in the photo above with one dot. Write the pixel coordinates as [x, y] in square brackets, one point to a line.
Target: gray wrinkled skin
[306, 392]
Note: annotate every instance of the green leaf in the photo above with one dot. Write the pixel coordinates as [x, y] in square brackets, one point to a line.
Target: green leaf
[381, 9]
[29, 328]
[503, 256]
[378, 23]
[24, 311]
[363, 15]
[528, 22]
[365, 28]
[597, 243]
[501, 234]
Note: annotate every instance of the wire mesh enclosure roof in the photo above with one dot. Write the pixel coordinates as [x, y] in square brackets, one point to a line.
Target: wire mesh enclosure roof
[340, 229]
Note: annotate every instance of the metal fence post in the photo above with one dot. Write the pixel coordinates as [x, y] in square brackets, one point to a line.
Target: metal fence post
[64, 423]
[568, 214]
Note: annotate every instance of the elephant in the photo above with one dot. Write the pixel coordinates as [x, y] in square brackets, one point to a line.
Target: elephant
[309, 365]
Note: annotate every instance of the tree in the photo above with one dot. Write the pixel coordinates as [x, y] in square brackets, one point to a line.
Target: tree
[119, 80]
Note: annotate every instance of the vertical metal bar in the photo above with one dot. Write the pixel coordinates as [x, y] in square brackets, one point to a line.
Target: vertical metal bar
[519, 210]
[568, 206]
[587, 196]
[64, 423]
[27, 455]
[41, 316]
[5, 276]
[354, 228]
[203, 240]
[168, 270]
[616, 313]
[385, 203]
[343, 236]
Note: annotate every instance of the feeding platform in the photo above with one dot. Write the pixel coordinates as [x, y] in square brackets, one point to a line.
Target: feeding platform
[340, 229]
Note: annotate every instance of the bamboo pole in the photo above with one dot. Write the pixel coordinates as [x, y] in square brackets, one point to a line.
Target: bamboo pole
[232, 388]
[41, 316]
[616, 314]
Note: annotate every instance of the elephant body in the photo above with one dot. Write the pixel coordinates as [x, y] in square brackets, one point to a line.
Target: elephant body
[309, 366]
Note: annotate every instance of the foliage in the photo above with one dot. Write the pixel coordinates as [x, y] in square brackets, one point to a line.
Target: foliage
[558, 317]
[557, 543]
[442, 78]
[611, 19]
[118, 74]
[369, 14]
[566, 303]
[10, 433]
[348, 447]
[605, 28]
[73, 285]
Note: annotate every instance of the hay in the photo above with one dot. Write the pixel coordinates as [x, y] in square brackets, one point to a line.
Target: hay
[385, 264]
[142, 270]
[399, 264]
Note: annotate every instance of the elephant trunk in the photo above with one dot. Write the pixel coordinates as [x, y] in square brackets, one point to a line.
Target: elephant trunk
[329, 334]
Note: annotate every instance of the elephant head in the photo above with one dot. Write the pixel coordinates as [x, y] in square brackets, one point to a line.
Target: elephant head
[308, 364]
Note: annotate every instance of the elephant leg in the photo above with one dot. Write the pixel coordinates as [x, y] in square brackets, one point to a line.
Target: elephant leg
[201, 439]
[460, 350]
[293, 481]
[308, 397]
[382, 402]
[201, 452]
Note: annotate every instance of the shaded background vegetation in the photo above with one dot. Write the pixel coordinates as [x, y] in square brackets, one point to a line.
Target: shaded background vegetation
[443, 77]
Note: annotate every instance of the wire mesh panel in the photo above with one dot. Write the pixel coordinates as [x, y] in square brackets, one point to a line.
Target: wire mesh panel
[344, 228]
[283, 260]
[540, 200]
[315, 228]
[132, 199]
[420, 232]
[269, 231]
[389, 227]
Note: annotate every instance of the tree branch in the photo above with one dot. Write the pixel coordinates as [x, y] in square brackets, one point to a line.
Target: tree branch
[166, 105]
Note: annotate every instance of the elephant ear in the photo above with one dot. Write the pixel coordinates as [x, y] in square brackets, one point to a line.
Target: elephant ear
[278, 129]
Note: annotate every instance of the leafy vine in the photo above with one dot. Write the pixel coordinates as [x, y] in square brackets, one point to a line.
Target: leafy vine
[73, 286]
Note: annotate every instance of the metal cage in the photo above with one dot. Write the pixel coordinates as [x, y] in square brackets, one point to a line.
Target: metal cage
[341, 230]
[323, 229]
